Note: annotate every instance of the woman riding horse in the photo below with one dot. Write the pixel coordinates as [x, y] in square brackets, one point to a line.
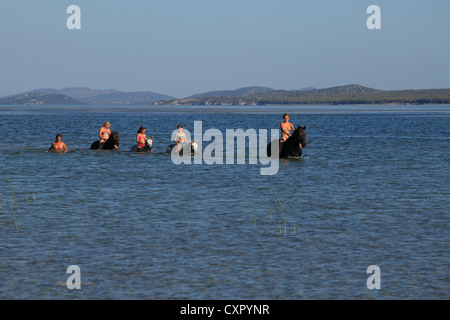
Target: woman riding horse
[111, 144]
[292, 146]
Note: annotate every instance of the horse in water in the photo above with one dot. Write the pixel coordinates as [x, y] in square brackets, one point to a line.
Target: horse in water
[109, 144]
[292, 147]
[147, 148]
[192, 144]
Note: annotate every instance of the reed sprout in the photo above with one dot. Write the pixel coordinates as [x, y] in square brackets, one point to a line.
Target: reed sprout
[273, 210]
[281, 208]
[14, 205]
[269, 211]
[28, 196]
[10, 199]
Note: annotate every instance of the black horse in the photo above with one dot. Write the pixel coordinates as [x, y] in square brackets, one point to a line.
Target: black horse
[292, 147]
[110, 144]
[147, 148]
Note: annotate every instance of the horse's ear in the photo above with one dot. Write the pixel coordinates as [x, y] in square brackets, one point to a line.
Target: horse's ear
[304, 127]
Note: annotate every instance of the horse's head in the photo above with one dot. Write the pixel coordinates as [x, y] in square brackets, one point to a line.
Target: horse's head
[114, 138]
[300, 135]
[194, 146]
[149, 142]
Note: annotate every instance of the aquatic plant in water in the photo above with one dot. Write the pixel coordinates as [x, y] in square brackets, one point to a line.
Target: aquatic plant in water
[28, 196]
[14, 206]
[13, 203]
[272, 213]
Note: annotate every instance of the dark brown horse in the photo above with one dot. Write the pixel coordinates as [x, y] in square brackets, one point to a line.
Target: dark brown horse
[110, 144]
[292, 147]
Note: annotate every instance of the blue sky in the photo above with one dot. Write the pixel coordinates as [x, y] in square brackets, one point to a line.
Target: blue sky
[183, 47]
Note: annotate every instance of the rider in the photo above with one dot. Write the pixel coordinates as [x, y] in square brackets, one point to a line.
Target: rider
[141, 138]
[180, 137]
[104, 134]
[58, 145]
[286, 128]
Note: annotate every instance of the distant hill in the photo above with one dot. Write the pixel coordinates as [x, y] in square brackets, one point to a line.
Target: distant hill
[91, 96]
[132, 98]
[348, 89]
[78, 93]
[349, 94]
[242, 92]
[304, 89]
[39, 98]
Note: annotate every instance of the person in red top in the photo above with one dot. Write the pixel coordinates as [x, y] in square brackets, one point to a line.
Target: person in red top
[58, 145]
[286, 128]
[141, 138]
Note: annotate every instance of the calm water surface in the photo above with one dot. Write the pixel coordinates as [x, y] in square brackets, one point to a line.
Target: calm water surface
[371, 189]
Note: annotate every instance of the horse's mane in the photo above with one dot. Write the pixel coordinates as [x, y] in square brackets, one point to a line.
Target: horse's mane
[297, 136]
[300, 129]
[113, 139]
[114, 135]
[297, 133]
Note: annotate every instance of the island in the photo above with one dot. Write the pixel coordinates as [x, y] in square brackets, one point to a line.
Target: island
[352, 94]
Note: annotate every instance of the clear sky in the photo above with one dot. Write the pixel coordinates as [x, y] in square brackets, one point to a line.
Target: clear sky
[184, 47]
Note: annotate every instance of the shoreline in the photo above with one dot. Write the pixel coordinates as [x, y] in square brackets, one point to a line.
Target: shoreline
[250, 109]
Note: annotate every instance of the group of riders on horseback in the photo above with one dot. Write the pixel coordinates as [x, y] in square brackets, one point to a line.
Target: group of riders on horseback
[110, 140]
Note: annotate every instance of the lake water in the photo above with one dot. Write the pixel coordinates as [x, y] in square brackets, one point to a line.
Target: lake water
[372, 188]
